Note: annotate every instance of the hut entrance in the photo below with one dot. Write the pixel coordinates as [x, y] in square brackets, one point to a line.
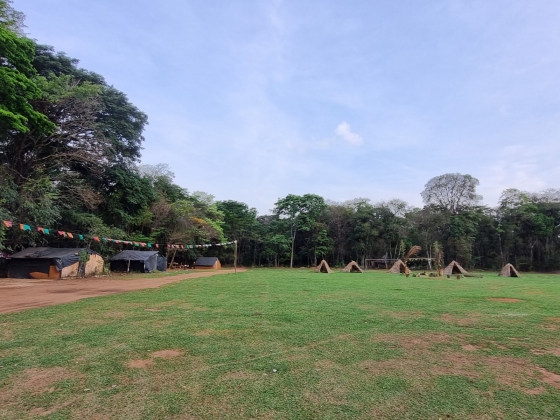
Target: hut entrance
[399, 267]
[352, 267]
[323, 267]
[509, 271]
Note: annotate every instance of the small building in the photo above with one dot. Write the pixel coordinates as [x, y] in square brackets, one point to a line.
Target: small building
[138, 261]
[207, 263]
[54, 263]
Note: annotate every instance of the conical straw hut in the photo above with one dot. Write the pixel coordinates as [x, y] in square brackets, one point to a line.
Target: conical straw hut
[323, 267]
[454, 268]
[399, 267]
[352, 267]
[509, 271]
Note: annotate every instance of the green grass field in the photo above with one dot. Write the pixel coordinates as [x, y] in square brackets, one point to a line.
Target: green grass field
[281, 344]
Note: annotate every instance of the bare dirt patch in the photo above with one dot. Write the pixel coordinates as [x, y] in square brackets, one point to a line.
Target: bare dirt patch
[19, 295]
[469, 347]
[535, 391]
[423, 341]
[550, 378]
[40, 411]
[140, 364]
[41, 379]
[506, 300]
[166, 354]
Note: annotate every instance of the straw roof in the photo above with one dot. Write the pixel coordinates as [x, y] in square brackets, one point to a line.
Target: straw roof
[352, 267]
[413, 251]
[399, 267]
[323, 267]
[454, 268]
[509, 271]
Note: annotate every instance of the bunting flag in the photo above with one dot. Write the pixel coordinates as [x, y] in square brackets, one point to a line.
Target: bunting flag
[45, 231]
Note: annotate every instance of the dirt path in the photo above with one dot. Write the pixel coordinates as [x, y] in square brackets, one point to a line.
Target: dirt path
[20, 294]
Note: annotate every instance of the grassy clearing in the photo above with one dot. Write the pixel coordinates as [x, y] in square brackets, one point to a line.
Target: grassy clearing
[370, 345]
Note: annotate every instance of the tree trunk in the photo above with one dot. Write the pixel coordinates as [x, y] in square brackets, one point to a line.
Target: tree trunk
[292, 255]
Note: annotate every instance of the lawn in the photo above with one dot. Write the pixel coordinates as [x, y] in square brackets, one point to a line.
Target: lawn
[281, 344]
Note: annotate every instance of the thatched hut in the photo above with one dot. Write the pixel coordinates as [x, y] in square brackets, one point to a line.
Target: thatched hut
[323, 267]
[352, 267]
[399, 267]
[509, 271]
[454, 268]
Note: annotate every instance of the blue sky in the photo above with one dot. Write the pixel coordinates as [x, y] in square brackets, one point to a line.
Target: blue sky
[254, 100]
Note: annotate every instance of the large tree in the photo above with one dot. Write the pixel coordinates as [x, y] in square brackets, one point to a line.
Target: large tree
[453, 192]
[300, 213]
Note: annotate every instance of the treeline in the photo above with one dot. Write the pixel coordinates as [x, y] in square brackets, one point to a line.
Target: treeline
[69, 159]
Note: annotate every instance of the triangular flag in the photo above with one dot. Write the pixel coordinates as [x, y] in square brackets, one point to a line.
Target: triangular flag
[61, 233]
[39, 229]
[46, 231]
[96, 238]
[7, 223]
[70, 235]
[81, 237]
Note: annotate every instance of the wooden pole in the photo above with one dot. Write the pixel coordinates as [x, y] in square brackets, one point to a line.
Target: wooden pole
[235, 257]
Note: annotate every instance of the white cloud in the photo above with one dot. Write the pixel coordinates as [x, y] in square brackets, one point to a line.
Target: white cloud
[345, 132]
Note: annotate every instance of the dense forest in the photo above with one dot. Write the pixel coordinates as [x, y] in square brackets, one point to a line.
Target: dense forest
[70, 148]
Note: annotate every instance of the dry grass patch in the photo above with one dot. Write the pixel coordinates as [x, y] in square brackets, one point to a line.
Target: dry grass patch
[506, 300]
[140, 364]
[166, 354]
[231, 376]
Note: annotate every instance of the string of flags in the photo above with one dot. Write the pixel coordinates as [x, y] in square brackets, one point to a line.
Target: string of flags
[64, 234]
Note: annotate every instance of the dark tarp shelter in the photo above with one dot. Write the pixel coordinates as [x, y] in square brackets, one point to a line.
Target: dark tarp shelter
[43, 260]
[140, 261]
[3, 264]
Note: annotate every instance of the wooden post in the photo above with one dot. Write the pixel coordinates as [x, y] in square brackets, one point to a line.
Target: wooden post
[128, 268]
[235, 257]
[173, 259]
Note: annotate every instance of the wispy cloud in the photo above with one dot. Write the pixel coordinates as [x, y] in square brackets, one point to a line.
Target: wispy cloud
[344, 131]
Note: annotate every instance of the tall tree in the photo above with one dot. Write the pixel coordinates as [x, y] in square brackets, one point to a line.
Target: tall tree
[453, 192]
[300, 212]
